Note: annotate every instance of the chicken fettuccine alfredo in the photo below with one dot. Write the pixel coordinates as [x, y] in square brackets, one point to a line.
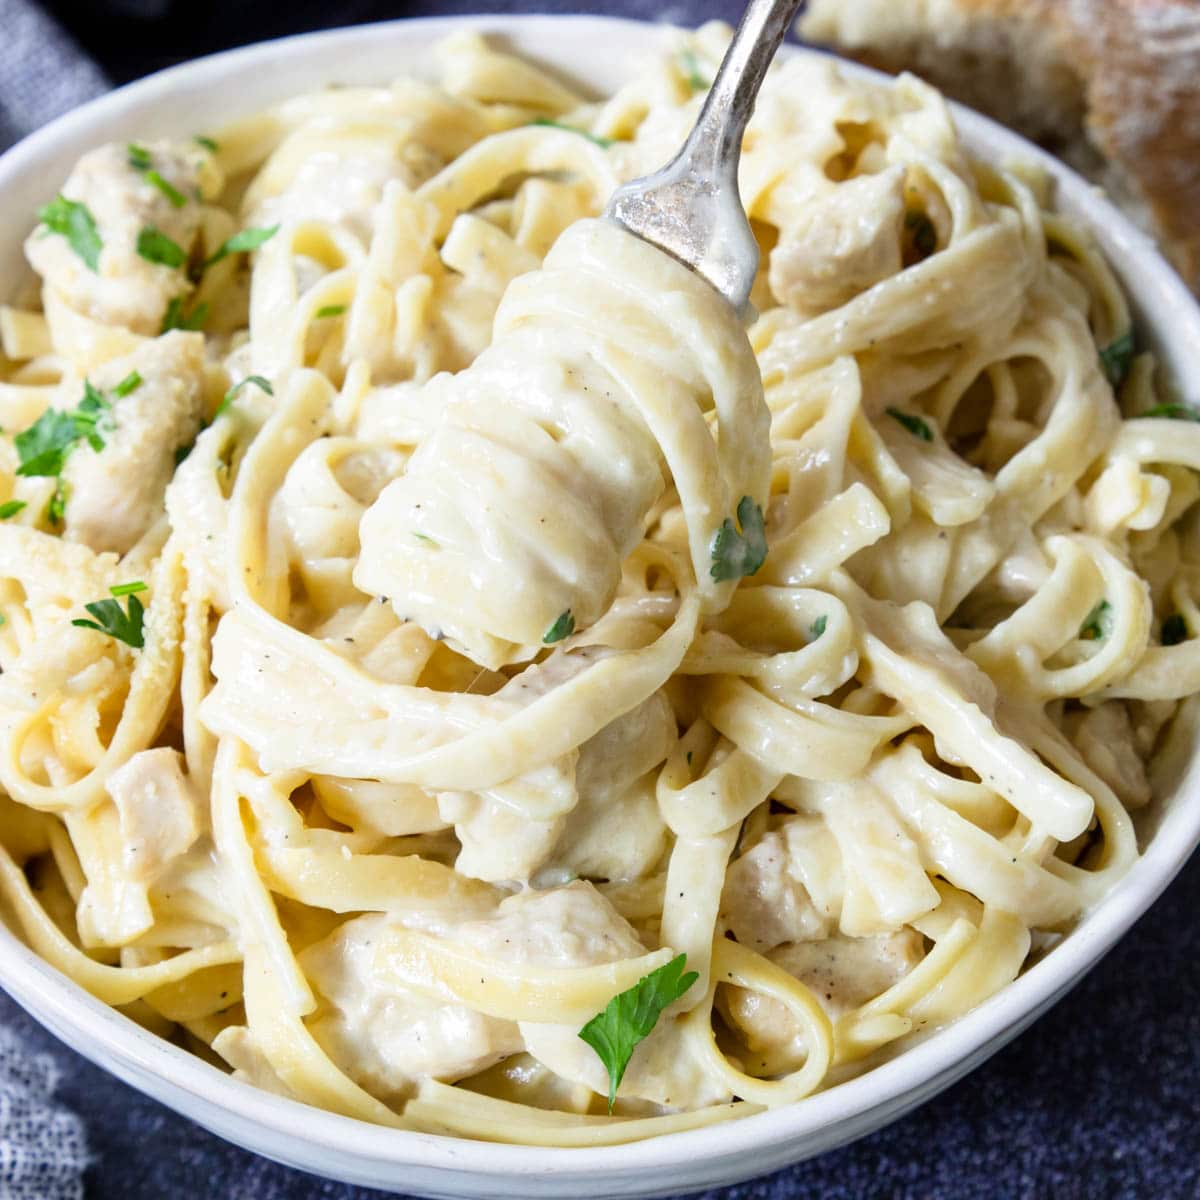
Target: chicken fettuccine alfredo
[456, 675]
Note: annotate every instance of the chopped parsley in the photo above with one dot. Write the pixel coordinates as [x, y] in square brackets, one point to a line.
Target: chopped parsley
[693, 76]
[424, 537]
[154, 246]
[330, 310]
[231, 395]
[1176, 412]
[241, 242]
[43, 448]
[915, 425]
[176, 318]
[737, 553]
[921, 233]
[1097, 625]
[10, 508]
[818, 627]
[110, 618]
[1116, 357]
[175, 197]
[602, 142]
[207, 142]
[631, 1015]
[563, 627]
[75, 222]
[56, 510]
[1174, 629]
[139, 157]
[130, 383]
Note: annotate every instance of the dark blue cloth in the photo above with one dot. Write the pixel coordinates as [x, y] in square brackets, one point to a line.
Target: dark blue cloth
[1101, 1099]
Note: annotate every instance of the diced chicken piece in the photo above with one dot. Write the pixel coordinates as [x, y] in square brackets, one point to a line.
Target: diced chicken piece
[127, 289]
[500, 843]
[387, 1037]
[615, 831]
[575, 926]
[841, 244]
[159, 810]
[842, 972]
[1105, 739]
[765, 902]
[115, 494]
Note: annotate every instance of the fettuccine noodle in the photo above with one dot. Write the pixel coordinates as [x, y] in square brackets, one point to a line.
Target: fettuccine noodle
[435, 689]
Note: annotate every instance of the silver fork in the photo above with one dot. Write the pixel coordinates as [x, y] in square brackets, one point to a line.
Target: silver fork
[691, 207]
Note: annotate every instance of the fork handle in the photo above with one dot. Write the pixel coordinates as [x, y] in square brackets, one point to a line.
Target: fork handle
[717, 135]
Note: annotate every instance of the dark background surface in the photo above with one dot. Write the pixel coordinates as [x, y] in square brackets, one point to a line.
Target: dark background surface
[1100, 1099]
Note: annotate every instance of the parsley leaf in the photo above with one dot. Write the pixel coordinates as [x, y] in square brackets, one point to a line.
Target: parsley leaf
[176, 318]
[57, 508]
[1097, 625]
[231, 395]
[330, 310]
[207, 142]
[602, 142]
[75, 222]
[242, 242]
[1174, 630]
[563, 627]
[1116, 357]
[154, 246]
[1176, 412]
[173, 194]
[692, 74]
[630, 1017]
[818, 627]
[130, 383]
[915, 425]
[110, 618]
[737, 554]
[43, 448]
[10, 508]
[139, 156]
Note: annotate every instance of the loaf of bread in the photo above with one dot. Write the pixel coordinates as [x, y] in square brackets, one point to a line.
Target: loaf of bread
[1112, 86]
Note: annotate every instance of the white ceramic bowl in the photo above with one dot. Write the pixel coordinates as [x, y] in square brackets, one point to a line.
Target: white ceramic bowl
[596, 52]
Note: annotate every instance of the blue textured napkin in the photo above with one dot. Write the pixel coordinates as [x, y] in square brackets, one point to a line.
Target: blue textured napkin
[1100, 1100]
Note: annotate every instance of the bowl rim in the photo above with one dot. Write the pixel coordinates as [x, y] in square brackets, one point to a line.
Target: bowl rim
[114, 1041]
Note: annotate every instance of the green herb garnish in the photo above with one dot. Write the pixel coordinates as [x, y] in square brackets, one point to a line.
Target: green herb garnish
[10, 508]
[1174, 630]
[915, 425]
[139, 157]
[330, 310]
[691, 71]
[43, 448]
[1097, 624]
[56, 509]
[176, 198]
[602, 142]
[1116, 357]
[231, 395]
[130, 383]
[1176, 412]
[75, 222]
[736, 554]
[112, 619]
[207, 142]
[154, 246]
[176, 318]
[242, 242]
[563, 627]
[631, 1016]
[181, 452]
[818, 627]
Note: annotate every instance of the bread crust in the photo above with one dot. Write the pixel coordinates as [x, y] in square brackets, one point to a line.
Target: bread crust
[1117, 77]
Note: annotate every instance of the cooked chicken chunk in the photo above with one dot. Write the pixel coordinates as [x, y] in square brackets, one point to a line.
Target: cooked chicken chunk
[115, 494]
[841, 244]
[160, 812]
[117, 185]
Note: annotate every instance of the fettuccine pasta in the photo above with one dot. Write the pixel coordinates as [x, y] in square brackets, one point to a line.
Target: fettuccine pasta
[434, 623]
